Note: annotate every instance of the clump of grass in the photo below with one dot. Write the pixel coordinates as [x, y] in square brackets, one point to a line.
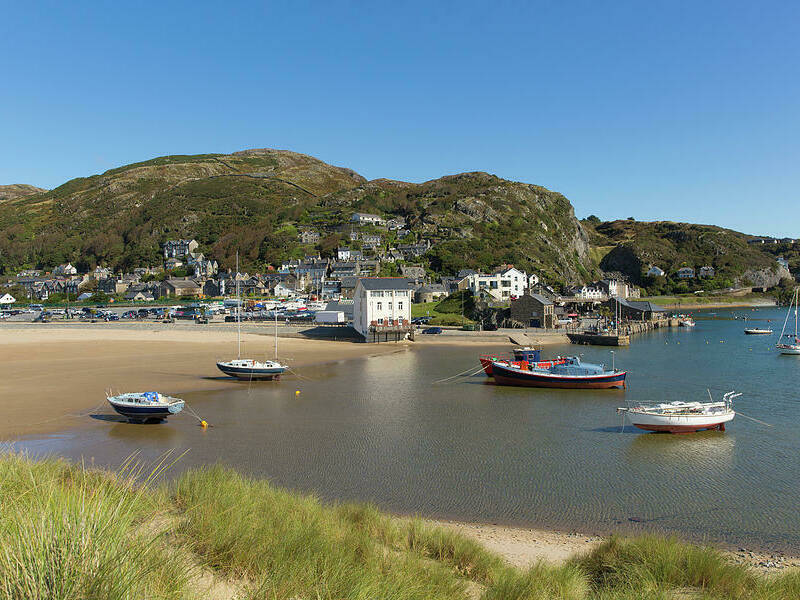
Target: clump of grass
[293, 546]
[469, 558]
[540, 582]
[68, 532]
[651, 563]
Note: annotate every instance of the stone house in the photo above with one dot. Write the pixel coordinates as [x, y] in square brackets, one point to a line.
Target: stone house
[533, 310]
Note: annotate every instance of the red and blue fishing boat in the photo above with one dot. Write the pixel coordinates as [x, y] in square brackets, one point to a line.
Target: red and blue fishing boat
[521, 357]
[568, 372]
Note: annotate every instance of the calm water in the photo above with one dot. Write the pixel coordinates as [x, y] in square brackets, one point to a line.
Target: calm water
[378, 429]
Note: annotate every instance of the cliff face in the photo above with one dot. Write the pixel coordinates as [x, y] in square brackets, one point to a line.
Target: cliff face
[767, 277]
[256, 200]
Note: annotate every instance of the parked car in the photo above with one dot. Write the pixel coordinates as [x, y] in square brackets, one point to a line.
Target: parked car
[432, 330]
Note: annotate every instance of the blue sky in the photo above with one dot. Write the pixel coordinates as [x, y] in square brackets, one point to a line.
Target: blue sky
[657, 110]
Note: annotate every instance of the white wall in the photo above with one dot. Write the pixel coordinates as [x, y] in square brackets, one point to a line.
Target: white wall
[374, 305]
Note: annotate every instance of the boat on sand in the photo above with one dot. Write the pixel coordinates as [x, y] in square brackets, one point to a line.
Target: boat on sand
[145, 406]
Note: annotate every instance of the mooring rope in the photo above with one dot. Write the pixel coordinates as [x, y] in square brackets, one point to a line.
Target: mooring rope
[463, 373]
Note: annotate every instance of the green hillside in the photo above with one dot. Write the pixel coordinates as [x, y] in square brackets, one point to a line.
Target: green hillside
[255, 202]
[632, 247]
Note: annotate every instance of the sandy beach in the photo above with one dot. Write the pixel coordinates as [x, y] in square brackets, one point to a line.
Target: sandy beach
[522, 547]
[50, 372]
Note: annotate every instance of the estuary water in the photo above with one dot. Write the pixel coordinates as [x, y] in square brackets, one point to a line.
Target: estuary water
[380, 430]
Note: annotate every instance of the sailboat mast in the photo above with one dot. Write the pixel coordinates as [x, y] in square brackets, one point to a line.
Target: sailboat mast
[238, 312]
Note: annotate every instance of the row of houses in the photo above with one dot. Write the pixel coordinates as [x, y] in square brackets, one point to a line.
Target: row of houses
[706, 272]
[604, 289]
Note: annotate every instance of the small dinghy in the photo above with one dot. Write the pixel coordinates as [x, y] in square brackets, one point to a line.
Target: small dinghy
[683, 417]
[756, 331]
[145, 406]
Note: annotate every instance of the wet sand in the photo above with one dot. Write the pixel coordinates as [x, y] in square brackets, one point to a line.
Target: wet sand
[48, 373]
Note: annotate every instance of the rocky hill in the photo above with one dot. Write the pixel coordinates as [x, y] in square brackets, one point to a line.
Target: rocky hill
[632, 247]
[256, 201]
[18, 190]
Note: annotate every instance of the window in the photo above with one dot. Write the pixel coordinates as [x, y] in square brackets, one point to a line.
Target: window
[505, 283]
[399, 306]
[380, 306]
[380, 321]
[389, 307]
[378, 294]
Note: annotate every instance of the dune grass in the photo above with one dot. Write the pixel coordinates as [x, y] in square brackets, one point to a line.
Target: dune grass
[70, 532]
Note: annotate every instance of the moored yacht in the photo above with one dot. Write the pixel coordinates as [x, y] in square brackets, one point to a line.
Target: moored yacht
[792, 347]
[248, 368]
[683, 417]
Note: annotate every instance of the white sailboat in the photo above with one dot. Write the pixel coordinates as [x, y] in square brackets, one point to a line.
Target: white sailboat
[793, 347]
[683, 417]
[248, 368]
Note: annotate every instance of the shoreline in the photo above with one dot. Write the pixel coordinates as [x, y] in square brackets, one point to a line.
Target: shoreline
[695, 306]
[523, 547]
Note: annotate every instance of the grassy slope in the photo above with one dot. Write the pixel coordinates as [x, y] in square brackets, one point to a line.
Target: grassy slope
[68, 532]
[256, 201]
[18, 190]
[632, 246]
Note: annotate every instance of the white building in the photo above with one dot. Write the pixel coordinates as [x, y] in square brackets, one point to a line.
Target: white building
[533, 280]
[382, 305]
[7, 299]
[66, 269]
[586, 292]
[655, 272]
[343, 253]
[502, 285]
[367, 219]
[284, 291]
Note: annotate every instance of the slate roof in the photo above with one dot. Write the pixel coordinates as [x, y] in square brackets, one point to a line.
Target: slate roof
[641, 305]
[384, 283]
[541, 299]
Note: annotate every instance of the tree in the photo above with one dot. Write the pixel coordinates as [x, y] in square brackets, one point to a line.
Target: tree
[593, 219]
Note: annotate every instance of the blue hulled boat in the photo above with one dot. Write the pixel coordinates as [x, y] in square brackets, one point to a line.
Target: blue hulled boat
[145, 406]
[568, 372]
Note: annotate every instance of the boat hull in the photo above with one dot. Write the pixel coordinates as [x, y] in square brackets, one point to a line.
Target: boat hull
[514, 377]
[758, 332]
[789, 350]
[147, 413]
[680, 424]
[251, 373]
